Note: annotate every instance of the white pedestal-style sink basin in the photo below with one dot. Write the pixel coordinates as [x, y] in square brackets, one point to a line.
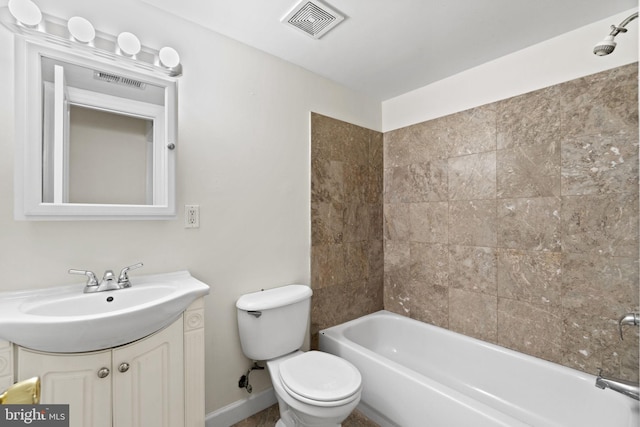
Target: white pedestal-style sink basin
[66, 320]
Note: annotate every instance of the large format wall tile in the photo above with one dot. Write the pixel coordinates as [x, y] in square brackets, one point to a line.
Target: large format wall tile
[327, 184]
[472, 177]
[531, 241]
[601, 224]
[533, 277]
[603, 103]
[428, 222]
[356, 217]
[419, 182]
[529, 171]
[532, 119]
[327, 223]
[347, 222]
[327, 265]
[596, 290]
[406, 146]
[473, 269]
[396, 221]
[429, 263]
[473, 314]
[530, 224]
[473, 223]
[471, 131]
[540, 335]
[599, 164]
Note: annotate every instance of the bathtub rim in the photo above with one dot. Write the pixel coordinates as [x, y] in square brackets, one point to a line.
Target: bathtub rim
[340, 329]
[338, 335]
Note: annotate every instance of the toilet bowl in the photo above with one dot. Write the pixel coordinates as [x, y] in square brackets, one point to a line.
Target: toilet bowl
[313, 389]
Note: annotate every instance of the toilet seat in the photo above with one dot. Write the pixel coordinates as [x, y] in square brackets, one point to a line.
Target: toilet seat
[320, 379]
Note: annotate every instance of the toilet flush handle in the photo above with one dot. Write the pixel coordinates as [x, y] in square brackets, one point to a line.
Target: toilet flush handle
[255, 313]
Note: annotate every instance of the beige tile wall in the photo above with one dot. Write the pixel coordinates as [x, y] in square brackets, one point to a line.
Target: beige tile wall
[346, 222]
[517, 222]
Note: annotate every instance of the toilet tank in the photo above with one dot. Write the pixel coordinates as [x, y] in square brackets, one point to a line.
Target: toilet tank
[273, 322]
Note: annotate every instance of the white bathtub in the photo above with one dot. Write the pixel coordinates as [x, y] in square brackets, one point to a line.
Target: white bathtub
[416, 374]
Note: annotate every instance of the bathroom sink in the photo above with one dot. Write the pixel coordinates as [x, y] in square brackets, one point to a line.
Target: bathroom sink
[66, 320]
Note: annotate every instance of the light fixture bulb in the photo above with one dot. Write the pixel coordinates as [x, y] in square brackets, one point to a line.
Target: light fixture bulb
[81, 29]
[128, 43]
[169, 57]
[25, 12]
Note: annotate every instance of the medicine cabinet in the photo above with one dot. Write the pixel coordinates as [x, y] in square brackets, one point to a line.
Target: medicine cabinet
[94, 139]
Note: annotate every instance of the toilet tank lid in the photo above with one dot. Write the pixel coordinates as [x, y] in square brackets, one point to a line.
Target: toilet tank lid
[272, 298]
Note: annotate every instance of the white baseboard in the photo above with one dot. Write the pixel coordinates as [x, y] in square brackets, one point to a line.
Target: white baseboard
[241, 409]
[374, 415]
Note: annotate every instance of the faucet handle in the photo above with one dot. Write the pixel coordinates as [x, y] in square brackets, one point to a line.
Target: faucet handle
[123, 278]
[92, 280]
[628, 319]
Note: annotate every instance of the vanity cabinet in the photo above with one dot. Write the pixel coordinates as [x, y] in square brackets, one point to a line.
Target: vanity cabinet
[73, 380]
[148, 381]
[154, 382]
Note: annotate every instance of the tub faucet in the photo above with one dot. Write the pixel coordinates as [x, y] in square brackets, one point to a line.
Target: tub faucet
[627, 388]
[628, 319]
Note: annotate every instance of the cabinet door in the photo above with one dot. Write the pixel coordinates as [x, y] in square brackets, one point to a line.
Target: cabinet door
[72, 379]
[148, 380]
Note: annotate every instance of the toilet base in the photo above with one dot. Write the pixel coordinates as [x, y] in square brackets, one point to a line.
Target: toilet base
[289, 418]
[281, 423]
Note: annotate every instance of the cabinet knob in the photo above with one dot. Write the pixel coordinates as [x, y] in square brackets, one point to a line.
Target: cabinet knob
[124, 367]
[103, 373]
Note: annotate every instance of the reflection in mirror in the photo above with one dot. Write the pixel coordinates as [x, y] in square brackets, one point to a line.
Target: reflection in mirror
[81, 149]
[97, 141]
[104, 147]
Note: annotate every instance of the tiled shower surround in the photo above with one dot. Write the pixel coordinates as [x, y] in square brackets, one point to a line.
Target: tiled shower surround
[515, 222]
[346, 222]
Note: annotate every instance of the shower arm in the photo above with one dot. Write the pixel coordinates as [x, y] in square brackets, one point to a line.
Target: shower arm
[615, 30]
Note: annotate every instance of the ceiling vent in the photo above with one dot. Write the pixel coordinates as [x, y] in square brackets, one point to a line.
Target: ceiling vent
[313, 18]
[114, 78]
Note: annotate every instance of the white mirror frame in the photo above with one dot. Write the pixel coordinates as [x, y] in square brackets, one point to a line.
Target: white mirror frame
[29, 154]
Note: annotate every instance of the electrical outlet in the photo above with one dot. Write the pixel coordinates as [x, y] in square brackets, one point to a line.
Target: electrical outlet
[191, 216]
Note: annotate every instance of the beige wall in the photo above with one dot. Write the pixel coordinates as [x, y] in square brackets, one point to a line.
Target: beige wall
[517, 222]
[242, 154]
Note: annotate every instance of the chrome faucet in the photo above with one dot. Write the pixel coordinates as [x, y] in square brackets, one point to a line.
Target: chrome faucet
[108, 282]
[628, 319]
[123, 278]
[627, 388]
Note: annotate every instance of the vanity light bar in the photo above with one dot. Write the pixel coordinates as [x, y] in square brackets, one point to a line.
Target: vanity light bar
[57, 31]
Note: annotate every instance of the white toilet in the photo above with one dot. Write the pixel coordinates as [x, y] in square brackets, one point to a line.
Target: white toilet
[313, 388]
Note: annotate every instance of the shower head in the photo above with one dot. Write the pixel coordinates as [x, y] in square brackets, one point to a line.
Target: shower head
[606, 46]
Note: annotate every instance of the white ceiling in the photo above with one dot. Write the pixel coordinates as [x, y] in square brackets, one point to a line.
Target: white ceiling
[385, 48]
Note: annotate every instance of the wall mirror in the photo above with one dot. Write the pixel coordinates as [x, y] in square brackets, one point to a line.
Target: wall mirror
[95, 140]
